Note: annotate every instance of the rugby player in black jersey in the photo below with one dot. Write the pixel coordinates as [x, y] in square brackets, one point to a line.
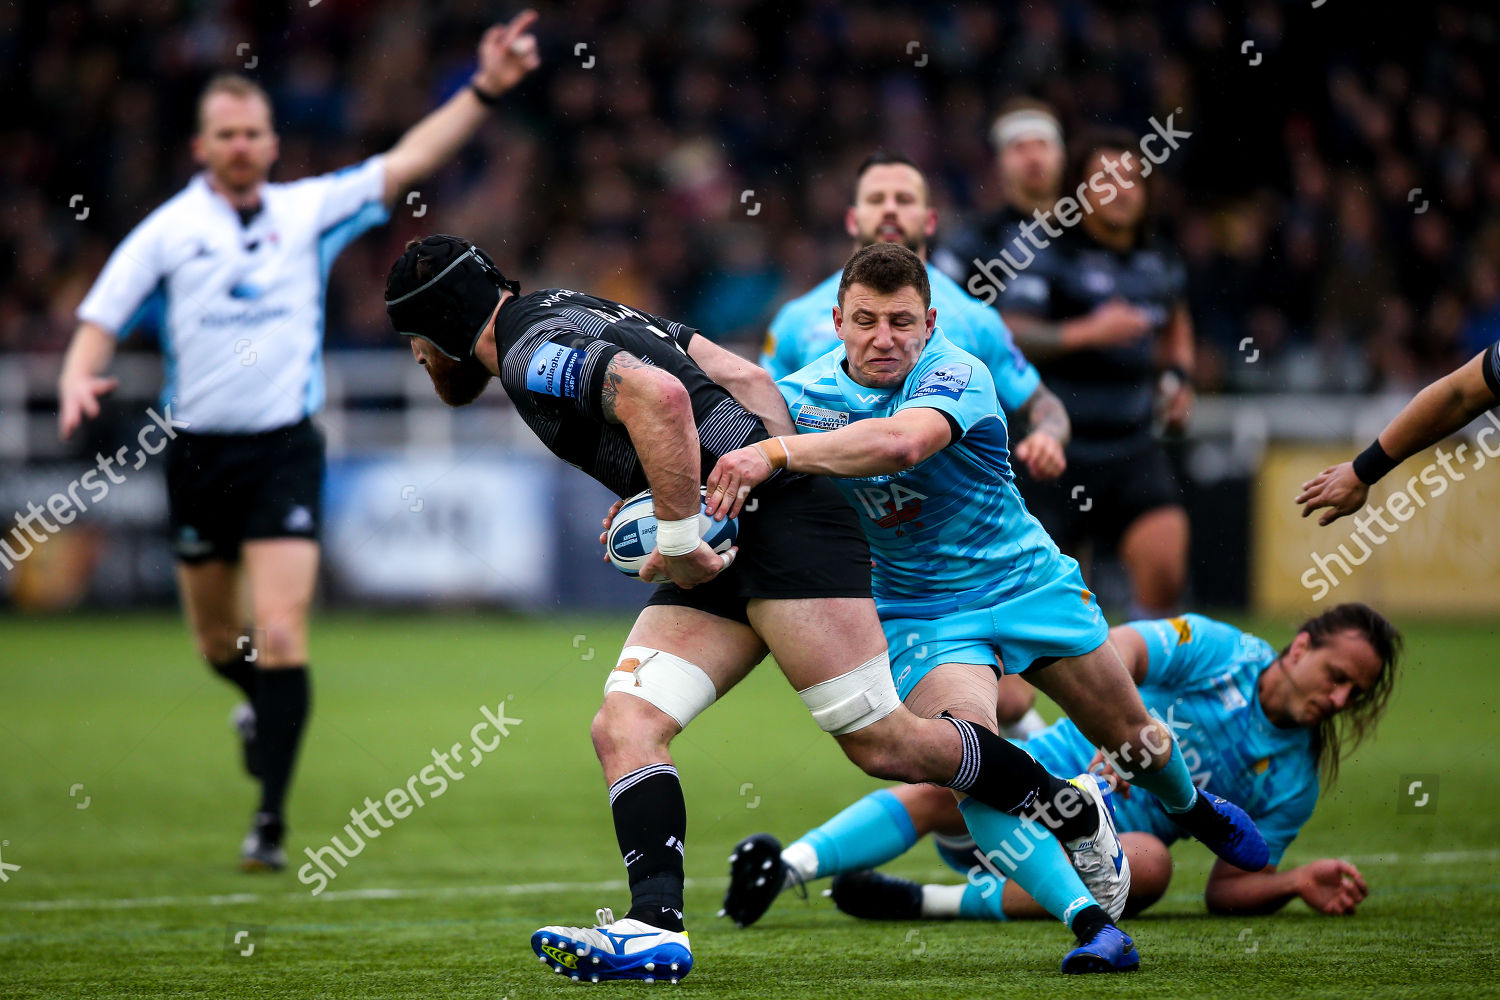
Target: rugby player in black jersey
[1119, 491]
[635, 400]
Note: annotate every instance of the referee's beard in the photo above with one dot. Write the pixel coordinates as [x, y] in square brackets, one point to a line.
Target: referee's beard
[458, 383]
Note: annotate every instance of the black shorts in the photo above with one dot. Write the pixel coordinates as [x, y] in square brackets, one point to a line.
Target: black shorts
[801, 541]
[1095, 501]
[224, 489]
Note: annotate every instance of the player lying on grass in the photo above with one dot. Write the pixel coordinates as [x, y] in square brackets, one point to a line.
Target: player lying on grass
[1434, 413]
[635, 400]
[967, 583]
[1252, 723]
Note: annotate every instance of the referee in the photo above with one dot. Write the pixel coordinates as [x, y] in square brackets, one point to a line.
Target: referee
[241, 266]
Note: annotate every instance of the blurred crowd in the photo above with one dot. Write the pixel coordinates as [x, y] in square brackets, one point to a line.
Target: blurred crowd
[1338, 203]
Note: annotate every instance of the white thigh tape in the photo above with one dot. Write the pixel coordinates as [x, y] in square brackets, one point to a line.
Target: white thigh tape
[669, 682]
[852, 701]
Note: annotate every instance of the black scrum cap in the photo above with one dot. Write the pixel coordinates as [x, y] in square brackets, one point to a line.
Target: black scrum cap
[450, 309]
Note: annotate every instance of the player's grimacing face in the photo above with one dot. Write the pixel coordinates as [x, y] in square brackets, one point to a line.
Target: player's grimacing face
[1324, 679]
[883, 335]
[891, 206]
[235, 140]
[1033, 166]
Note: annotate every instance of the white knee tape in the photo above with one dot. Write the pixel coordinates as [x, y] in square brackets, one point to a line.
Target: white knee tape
[669, 682]
[852, 701]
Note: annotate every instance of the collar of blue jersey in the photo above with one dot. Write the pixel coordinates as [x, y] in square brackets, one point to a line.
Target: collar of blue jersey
[451, 309]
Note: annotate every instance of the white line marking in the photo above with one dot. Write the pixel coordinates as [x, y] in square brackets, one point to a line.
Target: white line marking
[544, 888]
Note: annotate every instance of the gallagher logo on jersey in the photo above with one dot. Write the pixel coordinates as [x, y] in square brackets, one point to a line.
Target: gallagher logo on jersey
[553, 370]
[949, 380]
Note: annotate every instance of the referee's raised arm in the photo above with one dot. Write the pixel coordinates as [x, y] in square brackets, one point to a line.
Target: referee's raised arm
[507, 52]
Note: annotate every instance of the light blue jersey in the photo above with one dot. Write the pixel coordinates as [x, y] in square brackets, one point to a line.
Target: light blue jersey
[1202, 680]
[962, 571]
[803, 331]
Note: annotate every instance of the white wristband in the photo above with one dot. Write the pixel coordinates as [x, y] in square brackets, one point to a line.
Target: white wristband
[678, 538]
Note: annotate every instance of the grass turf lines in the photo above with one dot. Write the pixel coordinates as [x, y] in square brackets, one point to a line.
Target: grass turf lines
[123, 804]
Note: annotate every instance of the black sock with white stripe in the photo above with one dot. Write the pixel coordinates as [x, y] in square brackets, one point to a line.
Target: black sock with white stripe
[1003, 776]
[650, 823]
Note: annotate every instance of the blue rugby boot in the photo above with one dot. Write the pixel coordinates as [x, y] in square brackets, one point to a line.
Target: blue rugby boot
[615, 949]
[1110, 950]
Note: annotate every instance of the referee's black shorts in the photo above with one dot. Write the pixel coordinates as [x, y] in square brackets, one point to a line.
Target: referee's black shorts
[801, 541]
[225, 489]
[1097, 498]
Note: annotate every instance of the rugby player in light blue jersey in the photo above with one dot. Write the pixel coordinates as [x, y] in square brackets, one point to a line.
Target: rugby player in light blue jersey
[1254, 724]
[891, 205]
[969, 585]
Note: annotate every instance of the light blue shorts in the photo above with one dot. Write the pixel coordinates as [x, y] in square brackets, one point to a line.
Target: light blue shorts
[1058, 619]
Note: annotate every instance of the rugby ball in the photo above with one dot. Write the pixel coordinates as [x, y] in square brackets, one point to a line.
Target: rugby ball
[632, 534]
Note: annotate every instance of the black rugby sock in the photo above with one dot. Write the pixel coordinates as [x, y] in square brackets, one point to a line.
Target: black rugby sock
[1005, 777]
[282, 698]
[650, 823]
[238, 671]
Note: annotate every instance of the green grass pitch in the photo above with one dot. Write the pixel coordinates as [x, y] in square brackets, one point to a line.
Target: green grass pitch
[122, 803]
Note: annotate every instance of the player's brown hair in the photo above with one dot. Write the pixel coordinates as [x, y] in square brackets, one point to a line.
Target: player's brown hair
[887, 157]
[230, 83]
[886, 268]
[1337, 735]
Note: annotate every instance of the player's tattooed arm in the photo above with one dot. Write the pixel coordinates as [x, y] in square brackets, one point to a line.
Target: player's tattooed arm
[1041, 452]
[655, 410]
[1046, 414]
[615, 375]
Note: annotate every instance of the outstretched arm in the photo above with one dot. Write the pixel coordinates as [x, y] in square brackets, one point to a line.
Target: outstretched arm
[1331, 885]
[507, 52]
[879, 446]
[1434, 413]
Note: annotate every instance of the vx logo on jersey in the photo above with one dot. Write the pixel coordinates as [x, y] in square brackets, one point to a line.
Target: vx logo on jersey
[891, 508]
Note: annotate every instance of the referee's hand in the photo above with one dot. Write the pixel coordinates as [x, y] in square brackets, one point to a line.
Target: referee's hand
[78, 399]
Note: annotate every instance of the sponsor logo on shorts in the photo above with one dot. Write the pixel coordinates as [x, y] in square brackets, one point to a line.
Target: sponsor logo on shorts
[299, 518]
[822, 419]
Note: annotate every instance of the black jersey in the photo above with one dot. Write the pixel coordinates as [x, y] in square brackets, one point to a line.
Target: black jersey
[1491, 367]
[1108, 392]
[554, 347]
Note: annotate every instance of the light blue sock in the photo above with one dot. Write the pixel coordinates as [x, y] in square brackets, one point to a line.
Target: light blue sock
[981, 900]
[1172, 785]
[1029, 854]
[869, 833]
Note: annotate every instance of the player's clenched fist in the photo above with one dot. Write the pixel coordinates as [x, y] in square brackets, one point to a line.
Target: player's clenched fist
[1042, 455]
